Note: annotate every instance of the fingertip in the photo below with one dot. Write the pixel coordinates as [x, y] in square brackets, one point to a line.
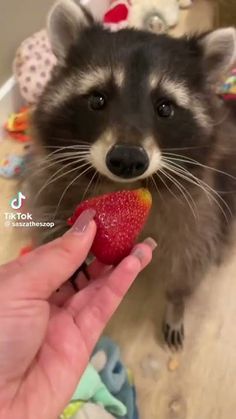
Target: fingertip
[85, 231]
[143, 252]
[82, 222]
[132, 263]
[74, 238]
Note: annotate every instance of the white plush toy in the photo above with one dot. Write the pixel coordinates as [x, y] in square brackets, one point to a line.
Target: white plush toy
[97, 7]
[155, 15]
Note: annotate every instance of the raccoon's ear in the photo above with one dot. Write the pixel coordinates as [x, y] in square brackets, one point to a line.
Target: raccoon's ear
[65, 20]
[219, 49]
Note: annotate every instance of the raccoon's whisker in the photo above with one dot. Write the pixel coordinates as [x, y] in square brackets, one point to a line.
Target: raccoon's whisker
[185, 159]
[65, 154]
[74, 147]
[54, 177]
[199, 181]
[58, 150]
[167, 187]
[210, 196]
[70, 184]
[70, 140]
[216, 198]
[186, 191]
[63, 167]
[185, 148]
[183, 190]
[45, 158]
[58, 160]
[68, 153]
[90, 183]
[155, 185]
[210, 192]
[66, 147]
[53, 156]
[97, 184]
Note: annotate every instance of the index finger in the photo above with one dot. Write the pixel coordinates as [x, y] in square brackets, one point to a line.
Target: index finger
[39, 273]
[94, 306]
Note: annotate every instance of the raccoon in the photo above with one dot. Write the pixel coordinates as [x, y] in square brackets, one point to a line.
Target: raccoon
[131, 108]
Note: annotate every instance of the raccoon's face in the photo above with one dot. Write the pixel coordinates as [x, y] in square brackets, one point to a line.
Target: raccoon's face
[132, 97]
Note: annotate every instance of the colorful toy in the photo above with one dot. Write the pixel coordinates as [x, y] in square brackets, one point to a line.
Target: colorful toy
[12, 166]
[111, 391]
[120, 217]
[17, 125]
[154, 15]
[228, 90]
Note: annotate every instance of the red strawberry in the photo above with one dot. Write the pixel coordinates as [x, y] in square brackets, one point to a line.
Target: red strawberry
[120, 217]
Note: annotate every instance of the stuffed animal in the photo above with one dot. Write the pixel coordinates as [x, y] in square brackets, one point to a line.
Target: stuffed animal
[155, 15]
[33, 65]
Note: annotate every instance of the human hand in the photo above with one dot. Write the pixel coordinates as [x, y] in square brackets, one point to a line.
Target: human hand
[46, 338]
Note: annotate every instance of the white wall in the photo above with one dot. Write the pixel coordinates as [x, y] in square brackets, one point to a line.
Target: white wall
[18, 19]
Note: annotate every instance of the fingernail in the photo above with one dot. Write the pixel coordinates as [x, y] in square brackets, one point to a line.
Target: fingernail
[83, 221]
[151, 243]
[138, 253]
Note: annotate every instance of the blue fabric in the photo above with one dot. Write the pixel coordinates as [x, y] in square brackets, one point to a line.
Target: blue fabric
[115, 377]
[126, 396]
[136, 415]
[114, 373]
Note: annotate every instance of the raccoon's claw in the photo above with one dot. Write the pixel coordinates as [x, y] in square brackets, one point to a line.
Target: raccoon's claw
[83, 268]
[174, 336]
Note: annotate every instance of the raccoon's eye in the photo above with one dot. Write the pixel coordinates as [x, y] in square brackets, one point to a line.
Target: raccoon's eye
[96, 101]
[165, 108]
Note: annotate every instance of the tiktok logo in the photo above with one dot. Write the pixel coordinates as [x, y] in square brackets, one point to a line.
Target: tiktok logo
[17, 202]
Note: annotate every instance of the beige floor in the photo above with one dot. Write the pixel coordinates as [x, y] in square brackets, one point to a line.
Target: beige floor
[203, 383]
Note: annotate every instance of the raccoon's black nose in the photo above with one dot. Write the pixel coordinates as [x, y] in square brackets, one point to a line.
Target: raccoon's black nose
[127, 161]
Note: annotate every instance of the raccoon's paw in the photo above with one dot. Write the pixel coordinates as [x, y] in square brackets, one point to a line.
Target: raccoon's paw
[173, 326]
[174, 335]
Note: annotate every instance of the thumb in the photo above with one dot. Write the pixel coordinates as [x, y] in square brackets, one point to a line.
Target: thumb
[39, 273]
